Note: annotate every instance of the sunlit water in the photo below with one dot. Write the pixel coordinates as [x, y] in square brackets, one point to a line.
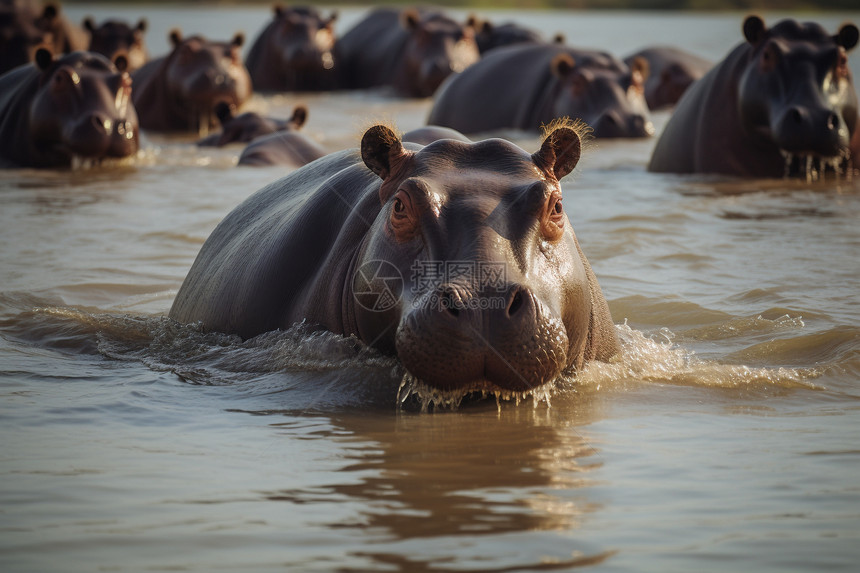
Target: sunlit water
[724, 437]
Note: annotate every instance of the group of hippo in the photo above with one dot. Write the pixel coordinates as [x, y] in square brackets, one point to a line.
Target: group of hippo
[297, 251]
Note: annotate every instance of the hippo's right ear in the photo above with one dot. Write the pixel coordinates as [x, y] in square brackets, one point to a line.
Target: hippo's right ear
[44, 58]
[300, 116]
[562, 65]
[560, 151]
[754, 29]
[175, 37]
[410, 19]
[380, 146]
[89, 25]
[847, 36]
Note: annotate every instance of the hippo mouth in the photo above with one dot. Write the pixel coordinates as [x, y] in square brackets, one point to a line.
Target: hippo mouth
[813, 167]
[426, 397]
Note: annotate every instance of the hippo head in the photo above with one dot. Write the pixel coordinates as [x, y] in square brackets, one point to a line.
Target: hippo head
[472, 265]
[302, 38]
[437, 47]
[796, 92]
[604, 92]
[114, 38]
[250, 125]
[201, 73]
[83, 108]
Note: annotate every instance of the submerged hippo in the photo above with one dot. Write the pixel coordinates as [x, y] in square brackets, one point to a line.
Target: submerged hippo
[179, 92]
[490, 36]
[19, 35]
[294, 52]
[114, 37]
[55, 110]
[61, 35]
[286, 148]
[456, 256]
[528, 85]
[779, 103]
[411, 50]
[250, 125]
[671, 71]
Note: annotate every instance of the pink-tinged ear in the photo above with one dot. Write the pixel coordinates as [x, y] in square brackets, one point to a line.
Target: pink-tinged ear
[562, 65]
[847, 36]
[559, 153]
[754, 29]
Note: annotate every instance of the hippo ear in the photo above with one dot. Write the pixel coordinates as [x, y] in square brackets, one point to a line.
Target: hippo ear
[559, 38]
[142, 24]
[300, 116]
[641, 66]
[473, 22]
[331, 19]
[278, 9]
[44, 58]
[89, 25]
[560, 151]
[175, 37]
[378, 147]
[121, 63]
[410, 19]
[50, 12]
[754, 29]
[224, 112]
[238, 40]
[847, 36]
[562, 65]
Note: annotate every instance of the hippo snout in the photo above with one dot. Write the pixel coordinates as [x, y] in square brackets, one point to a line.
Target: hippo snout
[99, 135]
[615, 124]
[802, 130]
[458, 339]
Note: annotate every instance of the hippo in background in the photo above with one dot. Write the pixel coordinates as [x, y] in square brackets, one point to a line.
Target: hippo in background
[781, 103]
[430, 133]
[490, 36]
[250, 125]
[78, 106]
[339, 245]
[61, 35]
[19, 36]
[113, 37]
[411, 50]
[671, 71]
[287, 148]
[528, 85]
[179, 91]
[294, 52]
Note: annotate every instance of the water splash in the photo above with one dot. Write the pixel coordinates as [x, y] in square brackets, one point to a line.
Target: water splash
[814, 168]
[431, 398]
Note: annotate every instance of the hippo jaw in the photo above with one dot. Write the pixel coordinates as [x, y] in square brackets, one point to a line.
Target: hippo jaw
[455, 342]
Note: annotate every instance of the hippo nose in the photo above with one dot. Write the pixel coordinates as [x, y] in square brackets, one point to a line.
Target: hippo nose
[612, 124]
[508, 305]
[804, 130]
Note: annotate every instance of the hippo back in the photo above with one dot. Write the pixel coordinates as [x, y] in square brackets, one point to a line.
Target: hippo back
[308, 226]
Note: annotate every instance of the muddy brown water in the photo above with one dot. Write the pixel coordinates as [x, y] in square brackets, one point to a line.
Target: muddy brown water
[724, 438]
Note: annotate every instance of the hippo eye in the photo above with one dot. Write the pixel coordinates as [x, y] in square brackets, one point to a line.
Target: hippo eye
[552, 221]
[558, 209]
[403, 221]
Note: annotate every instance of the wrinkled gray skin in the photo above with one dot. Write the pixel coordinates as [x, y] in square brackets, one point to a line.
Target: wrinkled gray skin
[248, 126]
[529, 85]
[294, 52]
[288, 148]
[783, 96]
[321, 245]
[179, 91]
[76, 106]
[412, 51]
[671, 71]
[113, 38]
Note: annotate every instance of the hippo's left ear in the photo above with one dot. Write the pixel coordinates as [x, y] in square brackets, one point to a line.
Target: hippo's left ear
[175, 37]
[238, 40]
[331, 19]
[641, 66]
[380, 146]
[410, 19]
[141, 25]
[559, 38]
[847, 36]
[562, 65]
[89, 25]
[300, 116]
[560, 152]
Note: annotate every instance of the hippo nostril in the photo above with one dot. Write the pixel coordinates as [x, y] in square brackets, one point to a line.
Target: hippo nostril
[516, 303]
[832, 122]
[449, 303]
[100, 124]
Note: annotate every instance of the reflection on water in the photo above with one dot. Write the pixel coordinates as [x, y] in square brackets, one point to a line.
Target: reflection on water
[723, 436]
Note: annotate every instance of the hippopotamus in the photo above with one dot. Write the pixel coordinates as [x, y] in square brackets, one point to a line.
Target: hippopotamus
[179, 92]
[528, 85]
[411, 50]
[250, 125]
[294, 52]
[114, 37]
[430, 133]
[456, 257]
[490, 36]
[288, 148]
[19, 36]
[779, 103]
[61, 35]
[52, 111]
[671, 71]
